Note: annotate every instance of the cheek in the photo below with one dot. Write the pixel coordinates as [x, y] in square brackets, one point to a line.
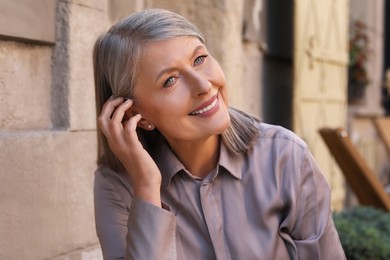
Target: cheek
[225, 96]
[220, 81]
[158, 113]
[146, 105]
[221, 74]
[148, 112]
[216, 74]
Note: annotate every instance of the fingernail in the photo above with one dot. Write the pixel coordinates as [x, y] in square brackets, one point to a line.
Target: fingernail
[128, 101]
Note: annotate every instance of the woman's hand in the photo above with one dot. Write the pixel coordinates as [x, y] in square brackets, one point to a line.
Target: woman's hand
[121, 134]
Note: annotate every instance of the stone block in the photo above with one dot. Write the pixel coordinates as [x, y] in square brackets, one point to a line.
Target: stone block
[85, 24]
[28, 20]
[25, 86]
[46, 198]
[251, 85]
[118, 9]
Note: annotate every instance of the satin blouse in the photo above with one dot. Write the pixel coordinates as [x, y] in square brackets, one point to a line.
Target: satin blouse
[272, 203]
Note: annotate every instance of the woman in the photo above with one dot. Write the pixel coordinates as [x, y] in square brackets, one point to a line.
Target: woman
[183, 176]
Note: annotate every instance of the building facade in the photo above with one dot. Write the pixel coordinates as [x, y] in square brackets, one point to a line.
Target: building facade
[47, 118]
[47, 111]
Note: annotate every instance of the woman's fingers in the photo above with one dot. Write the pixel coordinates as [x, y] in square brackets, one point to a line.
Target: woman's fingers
[107, 112]
[110, 106]
[113, 122]
[113, 113]
[119, 113]
[130, 126]
[131, 123]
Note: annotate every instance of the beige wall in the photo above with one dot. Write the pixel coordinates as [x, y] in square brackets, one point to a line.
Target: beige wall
[47, 137]
[47, 118]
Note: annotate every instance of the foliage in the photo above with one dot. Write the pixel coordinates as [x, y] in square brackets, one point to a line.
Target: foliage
[358, 53]
[364, 233]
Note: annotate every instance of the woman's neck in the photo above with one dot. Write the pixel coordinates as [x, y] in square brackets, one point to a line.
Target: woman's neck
[199, 157]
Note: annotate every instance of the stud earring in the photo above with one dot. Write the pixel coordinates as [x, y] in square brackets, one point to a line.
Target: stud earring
[150, 126]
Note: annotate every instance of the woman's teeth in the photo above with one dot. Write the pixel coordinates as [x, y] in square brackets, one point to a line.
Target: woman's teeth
[201, 111]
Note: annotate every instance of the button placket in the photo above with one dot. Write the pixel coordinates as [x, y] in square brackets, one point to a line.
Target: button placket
[213, 218]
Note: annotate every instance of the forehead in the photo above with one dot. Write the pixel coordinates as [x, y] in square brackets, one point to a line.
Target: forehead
[166, 51]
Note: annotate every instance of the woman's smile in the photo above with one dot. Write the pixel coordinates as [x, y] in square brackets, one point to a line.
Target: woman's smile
[208, 108]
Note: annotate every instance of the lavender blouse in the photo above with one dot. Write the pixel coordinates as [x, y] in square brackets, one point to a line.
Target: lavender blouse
[272, 203]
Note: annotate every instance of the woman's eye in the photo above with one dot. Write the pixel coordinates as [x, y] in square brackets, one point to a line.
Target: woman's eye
[169, 82]
[200, 59]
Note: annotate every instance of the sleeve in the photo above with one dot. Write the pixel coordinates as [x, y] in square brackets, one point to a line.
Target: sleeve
[129, 228]
[309, 229]
[151, 233]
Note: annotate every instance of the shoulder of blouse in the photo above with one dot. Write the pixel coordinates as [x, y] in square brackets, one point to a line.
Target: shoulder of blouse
[276, 132]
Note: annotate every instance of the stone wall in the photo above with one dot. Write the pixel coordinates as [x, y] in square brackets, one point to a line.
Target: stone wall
[48, 137]
[47, 116]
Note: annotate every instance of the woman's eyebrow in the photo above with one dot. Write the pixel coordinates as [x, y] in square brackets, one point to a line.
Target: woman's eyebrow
[197, 49]
[161, 73]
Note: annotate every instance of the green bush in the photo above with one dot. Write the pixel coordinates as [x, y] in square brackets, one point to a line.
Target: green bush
[364, 233]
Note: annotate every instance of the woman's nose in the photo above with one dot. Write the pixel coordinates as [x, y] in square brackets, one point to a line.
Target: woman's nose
[199, 84]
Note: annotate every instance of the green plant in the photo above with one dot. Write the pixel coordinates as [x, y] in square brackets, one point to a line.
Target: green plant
[364, 233]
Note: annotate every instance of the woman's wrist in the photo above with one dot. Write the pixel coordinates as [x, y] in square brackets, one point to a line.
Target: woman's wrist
[149, 194]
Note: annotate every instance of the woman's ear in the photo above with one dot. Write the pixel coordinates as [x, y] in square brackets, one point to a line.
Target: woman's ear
[145, 124]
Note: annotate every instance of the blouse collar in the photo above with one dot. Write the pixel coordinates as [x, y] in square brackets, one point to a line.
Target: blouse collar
[169, 165]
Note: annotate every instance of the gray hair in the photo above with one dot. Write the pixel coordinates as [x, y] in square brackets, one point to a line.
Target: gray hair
[116, 59]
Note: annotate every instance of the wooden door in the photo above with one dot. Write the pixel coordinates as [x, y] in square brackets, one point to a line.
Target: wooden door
[320, 78]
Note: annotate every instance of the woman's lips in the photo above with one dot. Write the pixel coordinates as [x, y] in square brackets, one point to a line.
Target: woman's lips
[206, 107]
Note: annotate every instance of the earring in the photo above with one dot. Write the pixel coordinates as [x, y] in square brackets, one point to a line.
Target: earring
[150, 126]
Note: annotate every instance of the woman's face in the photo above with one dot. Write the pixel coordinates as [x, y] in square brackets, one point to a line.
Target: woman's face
[181, 90]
